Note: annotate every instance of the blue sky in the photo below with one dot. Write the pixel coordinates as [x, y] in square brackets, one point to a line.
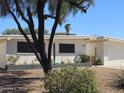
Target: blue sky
[106, 18]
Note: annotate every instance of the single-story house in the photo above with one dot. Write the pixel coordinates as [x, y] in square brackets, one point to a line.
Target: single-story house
[65, 49]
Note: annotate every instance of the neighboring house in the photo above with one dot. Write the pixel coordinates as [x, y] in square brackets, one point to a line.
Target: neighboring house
[66, 48]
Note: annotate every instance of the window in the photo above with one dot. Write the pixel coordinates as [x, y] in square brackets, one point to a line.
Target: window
[24, 47]
[66, 48]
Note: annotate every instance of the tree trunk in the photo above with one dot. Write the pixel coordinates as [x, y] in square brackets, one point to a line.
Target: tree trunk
[54, 28]
[46, 64]
[67, 32]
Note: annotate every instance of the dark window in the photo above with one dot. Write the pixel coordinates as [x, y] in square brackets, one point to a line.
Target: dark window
[66, 48]
[24, 47]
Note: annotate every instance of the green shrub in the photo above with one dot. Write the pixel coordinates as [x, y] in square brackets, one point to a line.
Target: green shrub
[84, 58]
[99, 62]
[70, 80]
[118, 80]
[12, 59]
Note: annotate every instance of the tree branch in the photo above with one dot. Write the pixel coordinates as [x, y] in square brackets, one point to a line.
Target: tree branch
[20, 11]
[49, 16]
[41, 25]
[81, 2]
[40, 13]
[24, 34]
[30, 16]
[54, 28]
[76, 5]
[31, 25]
[29, 22]
[87, 6]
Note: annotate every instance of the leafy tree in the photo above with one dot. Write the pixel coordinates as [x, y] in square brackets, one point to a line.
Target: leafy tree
[57, 10]
[17, 32]
[10, 32]
[27, 31]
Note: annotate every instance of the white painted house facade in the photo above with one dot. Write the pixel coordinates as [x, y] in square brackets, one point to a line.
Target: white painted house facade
[66, 48]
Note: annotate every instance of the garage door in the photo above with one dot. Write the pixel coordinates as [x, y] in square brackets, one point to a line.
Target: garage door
[114, 54]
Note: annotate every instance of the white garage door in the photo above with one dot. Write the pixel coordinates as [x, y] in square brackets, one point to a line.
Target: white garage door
[114, 55]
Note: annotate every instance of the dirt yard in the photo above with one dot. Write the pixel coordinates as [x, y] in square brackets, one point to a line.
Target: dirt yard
[29, 81]
[104, 77]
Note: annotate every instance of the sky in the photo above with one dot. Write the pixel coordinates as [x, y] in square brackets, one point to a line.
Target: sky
[105, 18]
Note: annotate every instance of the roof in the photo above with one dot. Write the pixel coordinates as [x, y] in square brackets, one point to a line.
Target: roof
[76, 37]
[8, 37]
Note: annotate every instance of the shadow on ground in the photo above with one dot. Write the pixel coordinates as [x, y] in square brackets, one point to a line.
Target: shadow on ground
[23, 67]
[14, 82]
[25, 78]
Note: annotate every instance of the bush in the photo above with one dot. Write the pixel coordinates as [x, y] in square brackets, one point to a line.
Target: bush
[118, 80]
[84, 58]
[12, 59]
[99, 62]
[70, 80]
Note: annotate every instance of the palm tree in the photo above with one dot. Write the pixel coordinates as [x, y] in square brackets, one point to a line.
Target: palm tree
[68, 28]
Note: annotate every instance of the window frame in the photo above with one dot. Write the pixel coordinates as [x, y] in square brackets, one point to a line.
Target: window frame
[66, 47]
[25, 51]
